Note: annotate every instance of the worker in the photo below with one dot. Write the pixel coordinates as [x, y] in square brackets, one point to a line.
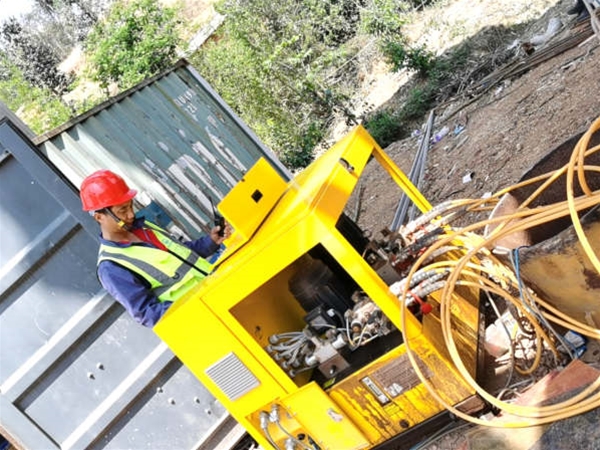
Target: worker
[140, 264]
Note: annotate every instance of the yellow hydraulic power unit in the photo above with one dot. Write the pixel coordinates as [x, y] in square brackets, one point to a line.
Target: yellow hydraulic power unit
[297, 331]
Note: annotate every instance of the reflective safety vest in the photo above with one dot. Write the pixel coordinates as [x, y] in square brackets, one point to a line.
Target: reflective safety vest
[171, 274]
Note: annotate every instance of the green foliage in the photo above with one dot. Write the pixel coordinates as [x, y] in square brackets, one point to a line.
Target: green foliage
[65, 23]
[451, 63]
[38, 107]
[384, 17]
[401, 57]
[389, 126]
[420, 100]
[35, 58]
[301, 153]
[275, 64]
[385, 127]
[269, 104]
[138, 39]
[281, 66]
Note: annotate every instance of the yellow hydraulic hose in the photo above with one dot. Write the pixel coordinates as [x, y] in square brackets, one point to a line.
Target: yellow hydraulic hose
[577, 160]
[468, 271]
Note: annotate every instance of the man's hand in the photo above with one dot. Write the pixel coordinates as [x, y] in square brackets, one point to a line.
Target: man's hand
[214, 233]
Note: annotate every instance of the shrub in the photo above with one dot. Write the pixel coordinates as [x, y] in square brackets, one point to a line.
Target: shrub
[385, 127]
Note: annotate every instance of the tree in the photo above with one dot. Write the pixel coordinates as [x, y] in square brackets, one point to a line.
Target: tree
[41, 109]
[88, 8]
[137, 40]
[34, 56]
[47, 6]
[65, 23]
[275, 62]
[289, 67]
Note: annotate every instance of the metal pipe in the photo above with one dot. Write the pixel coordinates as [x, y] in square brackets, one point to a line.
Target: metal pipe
[416, 173]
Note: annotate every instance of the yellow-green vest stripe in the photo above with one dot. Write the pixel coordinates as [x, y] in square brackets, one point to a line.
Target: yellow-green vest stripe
[169, 277]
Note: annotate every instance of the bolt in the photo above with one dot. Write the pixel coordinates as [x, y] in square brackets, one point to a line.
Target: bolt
[100, 366]
[197, 399]
[171, 400]
[90, 375]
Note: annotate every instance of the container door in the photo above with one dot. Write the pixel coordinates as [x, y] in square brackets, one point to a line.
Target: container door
[75, 370]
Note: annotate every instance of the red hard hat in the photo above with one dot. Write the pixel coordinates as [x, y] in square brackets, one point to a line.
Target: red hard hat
[103, 189]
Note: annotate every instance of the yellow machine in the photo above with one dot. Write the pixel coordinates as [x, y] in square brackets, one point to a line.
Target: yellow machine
[297, 332]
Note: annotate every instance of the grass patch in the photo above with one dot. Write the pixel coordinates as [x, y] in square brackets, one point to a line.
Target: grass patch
[435, 78]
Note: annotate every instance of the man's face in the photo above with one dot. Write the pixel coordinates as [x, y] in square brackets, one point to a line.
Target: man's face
[124, 212]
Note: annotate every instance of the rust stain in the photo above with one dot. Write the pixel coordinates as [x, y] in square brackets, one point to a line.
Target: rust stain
[591, 278]
[370, 408]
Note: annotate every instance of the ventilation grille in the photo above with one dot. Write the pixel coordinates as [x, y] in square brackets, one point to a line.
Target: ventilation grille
[232, 377]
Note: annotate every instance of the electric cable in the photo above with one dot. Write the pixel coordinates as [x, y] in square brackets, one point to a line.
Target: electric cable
[529, 303]
[274, 417]
[264, 425]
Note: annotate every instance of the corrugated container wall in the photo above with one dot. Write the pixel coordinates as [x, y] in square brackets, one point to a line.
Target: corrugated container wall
[172, 138]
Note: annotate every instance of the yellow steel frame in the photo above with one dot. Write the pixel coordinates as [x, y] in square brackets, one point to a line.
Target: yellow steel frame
[221, 329]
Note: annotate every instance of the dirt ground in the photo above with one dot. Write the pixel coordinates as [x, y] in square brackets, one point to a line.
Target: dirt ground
[504, 132]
